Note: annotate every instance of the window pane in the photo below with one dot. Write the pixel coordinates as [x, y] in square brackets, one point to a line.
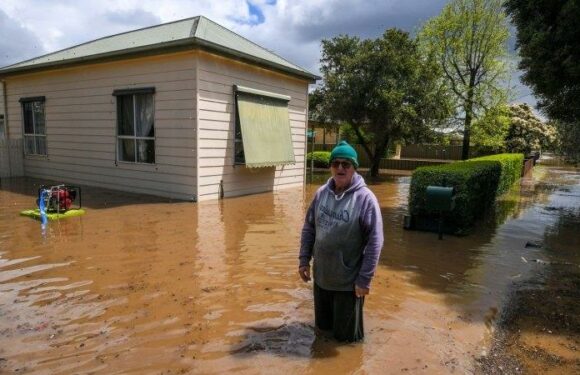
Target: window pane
[127, 150]
[40, 145]
[239, 153]
[28, 124]
[144, 108]
[125, 115]
[145, 151]
[38, 113]
[29, 145]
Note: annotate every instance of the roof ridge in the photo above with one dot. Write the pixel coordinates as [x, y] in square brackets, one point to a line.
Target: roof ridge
[248, 40]
[98, 39]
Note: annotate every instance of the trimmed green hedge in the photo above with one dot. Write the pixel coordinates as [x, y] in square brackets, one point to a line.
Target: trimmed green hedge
[321, 159]
[477, 183]
[511, 169]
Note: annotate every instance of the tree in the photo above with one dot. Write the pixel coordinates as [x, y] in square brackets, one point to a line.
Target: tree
[492, 128]
[383, 88]
[469, 40]
[548, 41]
[568, 140]
[527, 132]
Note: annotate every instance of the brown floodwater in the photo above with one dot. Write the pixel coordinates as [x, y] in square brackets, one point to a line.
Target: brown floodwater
[143, 285]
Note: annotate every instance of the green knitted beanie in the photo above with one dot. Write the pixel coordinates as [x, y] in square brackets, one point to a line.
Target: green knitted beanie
[344, 151]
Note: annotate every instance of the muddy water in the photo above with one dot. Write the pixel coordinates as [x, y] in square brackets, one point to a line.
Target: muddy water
[143, 285]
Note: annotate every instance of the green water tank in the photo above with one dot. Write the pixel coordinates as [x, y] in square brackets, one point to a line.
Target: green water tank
[440, 198]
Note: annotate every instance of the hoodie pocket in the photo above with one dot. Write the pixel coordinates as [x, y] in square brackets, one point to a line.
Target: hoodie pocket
[331, 271]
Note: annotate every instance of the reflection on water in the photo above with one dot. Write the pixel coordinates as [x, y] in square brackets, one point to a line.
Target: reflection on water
[145, 285]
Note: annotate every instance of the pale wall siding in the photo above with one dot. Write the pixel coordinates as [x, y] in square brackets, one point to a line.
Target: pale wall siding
[81, 124]
[216, 123]
[11, 164]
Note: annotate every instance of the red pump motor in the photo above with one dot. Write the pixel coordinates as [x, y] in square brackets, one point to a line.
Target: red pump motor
[59, 198]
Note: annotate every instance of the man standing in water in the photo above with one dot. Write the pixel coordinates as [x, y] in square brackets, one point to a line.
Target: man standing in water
[343, 231]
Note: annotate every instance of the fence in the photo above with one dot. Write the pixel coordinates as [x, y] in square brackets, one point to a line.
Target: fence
[431, 152]
[413, 156]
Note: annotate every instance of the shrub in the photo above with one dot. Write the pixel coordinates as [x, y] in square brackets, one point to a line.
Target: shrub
[511, 169]
[321, 159]
[475, 184]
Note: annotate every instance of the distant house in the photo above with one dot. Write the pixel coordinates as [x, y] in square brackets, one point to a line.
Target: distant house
[186, 109]
[325, 137]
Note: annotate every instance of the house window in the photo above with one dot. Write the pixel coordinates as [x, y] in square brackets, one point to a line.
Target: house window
[263, 136]
[34, 125]
[135, 125]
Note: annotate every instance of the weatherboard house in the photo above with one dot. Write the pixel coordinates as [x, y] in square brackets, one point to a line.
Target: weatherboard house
[187, 110]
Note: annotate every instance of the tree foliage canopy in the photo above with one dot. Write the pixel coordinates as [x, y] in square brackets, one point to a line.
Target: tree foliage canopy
[491, 129]
[527, 132]
[469, 40]
[548, 39]
[383, 88]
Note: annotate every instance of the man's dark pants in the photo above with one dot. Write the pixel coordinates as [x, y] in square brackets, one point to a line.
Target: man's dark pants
[339, 312]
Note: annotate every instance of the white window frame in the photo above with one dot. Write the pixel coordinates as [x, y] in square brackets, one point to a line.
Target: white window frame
[41, 100]
[134, 137]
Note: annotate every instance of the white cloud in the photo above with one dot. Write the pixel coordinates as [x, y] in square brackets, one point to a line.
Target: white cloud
[291, 28]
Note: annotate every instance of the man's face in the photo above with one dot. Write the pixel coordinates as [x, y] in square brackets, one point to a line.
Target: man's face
[342, 171]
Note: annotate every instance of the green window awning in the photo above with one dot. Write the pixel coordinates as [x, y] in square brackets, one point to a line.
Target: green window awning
[265, 127]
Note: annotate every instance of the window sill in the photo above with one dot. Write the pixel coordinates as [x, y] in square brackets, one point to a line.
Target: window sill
[35, 157]
[127, 165]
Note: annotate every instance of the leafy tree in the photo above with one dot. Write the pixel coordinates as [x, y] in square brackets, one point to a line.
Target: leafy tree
[469, 40]
[527, 132]
[548, 40]
[492, 128]
[383, 88]
[568, 140]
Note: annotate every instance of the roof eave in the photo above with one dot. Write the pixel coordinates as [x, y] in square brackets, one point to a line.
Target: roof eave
[312, 78]
[181, 44]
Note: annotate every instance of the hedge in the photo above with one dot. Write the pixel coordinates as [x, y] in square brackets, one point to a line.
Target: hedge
[321, 159]
[477, 182]
[511, 169]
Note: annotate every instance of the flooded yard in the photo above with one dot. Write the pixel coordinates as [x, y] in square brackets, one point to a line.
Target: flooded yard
[143, 285]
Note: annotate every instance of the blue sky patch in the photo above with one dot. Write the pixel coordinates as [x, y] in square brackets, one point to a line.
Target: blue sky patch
[257, 16]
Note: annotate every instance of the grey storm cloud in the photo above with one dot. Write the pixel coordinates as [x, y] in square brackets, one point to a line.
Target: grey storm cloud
[16, 42]
[366, 19]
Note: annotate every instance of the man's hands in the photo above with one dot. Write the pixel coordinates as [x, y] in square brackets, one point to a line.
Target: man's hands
[360, 292]
[304, 273]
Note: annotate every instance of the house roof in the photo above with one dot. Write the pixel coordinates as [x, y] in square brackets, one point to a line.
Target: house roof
[196, 32]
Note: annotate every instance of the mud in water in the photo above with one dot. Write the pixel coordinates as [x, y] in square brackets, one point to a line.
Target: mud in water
[144, 285]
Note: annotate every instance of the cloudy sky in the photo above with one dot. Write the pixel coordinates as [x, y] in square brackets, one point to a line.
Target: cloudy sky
[291, 28]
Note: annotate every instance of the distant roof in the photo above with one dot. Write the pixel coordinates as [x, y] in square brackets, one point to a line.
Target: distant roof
[188, 33]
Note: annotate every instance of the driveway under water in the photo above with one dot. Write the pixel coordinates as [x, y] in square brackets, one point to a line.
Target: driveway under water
[142, 285]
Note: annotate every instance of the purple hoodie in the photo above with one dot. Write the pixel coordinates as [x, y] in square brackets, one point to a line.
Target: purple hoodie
[344, 235]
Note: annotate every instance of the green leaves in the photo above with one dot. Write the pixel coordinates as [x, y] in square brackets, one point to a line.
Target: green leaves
[469, 42]
[548, 40]
[384, 88]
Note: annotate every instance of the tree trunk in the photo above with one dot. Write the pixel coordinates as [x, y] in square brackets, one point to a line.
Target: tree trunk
[468, 117]
[466, 135]
[380, 149]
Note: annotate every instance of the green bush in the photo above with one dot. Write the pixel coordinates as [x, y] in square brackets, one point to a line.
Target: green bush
[475, 184]
[321, 159]
[511, 169]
